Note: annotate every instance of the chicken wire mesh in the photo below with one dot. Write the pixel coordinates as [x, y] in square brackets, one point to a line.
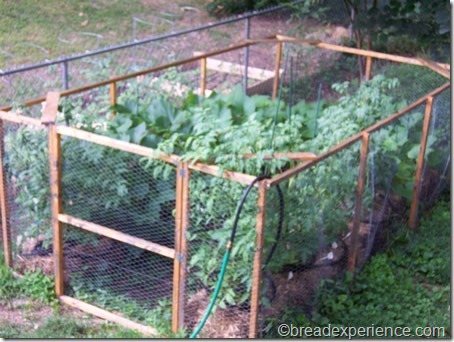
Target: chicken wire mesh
[388, 194]
[132, 196]
[118, 277]
[96, 66]
[307, 239]
[213, 204]
[118, 190]
[436, 176]
[26, 183]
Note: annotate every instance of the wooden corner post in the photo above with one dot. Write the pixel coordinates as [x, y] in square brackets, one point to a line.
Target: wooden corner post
[203, 76]
[180, 260]
[257, 270]
[358, 202]
[413, 219]
[49, 118]
[276, 70]
[368, 72]
[113, 97]
[6, 228]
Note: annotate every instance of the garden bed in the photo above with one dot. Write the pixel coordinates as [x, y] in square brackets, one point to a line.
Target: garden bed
[144, 192]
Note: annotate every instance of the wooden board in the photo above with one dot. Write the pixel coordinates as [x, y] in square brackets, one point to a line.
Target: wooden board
[116, 235]
[109, 316]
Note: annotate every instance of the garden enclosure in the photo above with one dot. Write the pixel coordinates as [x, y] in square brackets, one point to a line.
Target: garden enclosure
[136, 234]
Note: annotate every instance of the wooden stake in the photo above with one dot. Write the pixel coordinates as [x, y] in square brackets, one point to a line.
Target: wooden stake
[412, 222]
[257, 270]
[94, 310]
[277, 70]
[6, 229]
[113, 98]
[203, 76]
[358, 203]
[49, 117]
[181, 225]
[368, 68]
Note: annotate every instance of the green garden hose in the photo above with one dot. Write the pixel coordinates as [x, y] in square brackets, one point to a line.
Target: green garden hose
[226, 257]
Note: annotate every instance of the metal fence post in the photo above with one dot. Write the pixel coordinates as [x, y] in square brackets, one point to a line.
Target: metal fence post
[65, 75]
[257, 270]
[358, 203]
[49, 119]
[6, 228]
[247, 29]
[413, 220]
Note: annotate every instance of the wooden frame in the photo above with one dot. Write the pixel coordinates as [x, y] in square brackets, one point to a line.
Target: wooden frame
[203, 76]
[358, 203]
[118, 236]
[49, 118]
[344, 144]
[277, 70]
[113, 97]
[257, 270]
[180, 261]
[109, 316]
[412, 222]
[179, 254]
[6, 228]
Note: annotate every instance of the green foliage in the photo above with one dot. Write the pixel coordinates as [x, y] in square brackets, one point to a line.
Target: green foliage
[223, 8]
[418, 25]
[39, 286]
[408, 285]
[9, 286]
[35, 285]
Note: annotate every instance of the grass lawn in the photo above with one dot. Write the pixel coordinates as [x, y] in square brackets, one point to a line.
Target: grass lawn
[42, 22]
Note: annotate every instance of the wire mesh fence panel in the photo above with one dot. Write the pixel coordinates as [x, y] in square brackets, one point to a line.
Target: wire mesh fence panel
[118, 190]
[308, 237]
[436, 175]
[128, 198]
[26, 172]
[414, 81]
[118, 277]
[392, 164]
[17, 88]
[213, 204]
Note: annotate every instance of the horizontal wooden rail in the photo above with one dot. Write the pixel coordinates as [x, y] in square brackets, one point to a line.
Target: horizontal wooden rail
[119, 236]
[217, 171]
[348, 142]
[20, 119]
[148, 152]
[114, 143]
[297, 156]
[359, 52]
[109, 316]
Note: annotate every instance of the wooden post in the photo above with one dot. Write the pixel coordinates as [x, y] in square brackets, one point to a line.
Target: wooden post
[368, 68]
[179, 266]
[276, 70]
[257, 270]
[412, 222]
[6, 229]
[358, 203]
[49, 118]
[203, 76]
[113, 98]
